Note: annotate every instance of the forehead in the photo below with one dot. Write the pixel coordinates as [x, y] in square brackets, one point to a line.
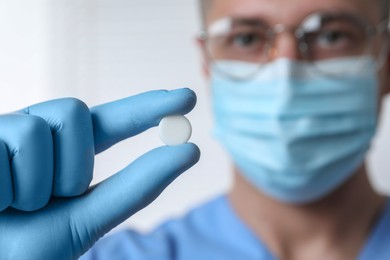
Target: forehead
[290, 12]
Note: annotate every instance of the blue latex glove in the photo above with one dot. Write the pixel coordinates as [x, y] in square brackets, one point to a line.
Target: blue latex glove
[46, 164]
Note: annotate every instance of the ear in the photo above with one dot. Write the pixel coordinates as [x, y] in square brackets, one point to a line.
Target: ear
[205, 63]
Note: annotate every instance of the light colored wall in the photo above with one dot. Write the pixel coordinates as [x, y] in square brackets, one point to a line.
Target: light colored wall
[101, 50]
[23, 53]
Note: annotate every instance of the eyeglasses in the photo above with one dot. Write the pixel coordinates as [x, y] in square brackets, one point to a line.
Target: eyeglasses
[320, 37]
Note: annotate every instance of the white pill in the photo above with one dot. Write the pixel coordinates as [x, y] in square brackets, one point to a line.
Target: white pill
[175, 130]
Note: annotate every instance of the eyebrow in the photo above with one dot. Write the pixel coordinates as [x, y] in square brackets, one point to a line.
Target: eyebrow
[250, 21]
[328, 16]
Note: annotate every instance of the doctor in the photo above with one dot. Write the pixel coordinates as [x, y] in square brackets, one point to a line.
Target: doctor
[297, 87]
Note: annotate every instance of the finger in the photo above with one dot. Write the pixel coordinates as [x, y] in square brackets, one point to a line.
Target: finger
[121, 119]
[29, 144]
[117, 198]
[6, 191]
[74, 150]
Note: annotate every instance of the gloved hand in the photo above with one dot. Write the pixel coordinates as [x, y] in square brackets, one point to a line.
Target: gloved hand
[46, 164]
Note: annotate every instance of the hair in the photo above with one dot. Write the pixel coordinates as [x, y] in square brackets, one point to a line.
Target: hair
[384, 5]
[205, 5]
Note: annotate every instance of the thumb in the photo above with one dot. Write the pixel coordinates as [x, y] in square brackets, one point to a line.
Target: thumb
[114, 200]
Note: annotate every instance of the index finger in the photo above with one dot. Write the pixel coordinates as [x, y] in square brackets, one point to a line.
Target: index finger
[118, 120]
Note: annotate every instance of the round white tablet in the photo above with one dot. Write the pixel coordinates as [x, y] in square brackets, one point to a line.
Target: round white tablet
[175, 130]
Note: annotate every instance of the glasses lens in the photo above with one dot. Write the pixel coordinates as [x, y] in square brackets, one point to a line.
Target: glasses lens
[322, 37]
[232, 40]
[335, 36]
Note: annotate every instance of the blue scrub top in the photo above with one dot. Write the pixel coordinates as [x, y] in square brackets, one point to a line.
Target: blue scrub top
[213, 231]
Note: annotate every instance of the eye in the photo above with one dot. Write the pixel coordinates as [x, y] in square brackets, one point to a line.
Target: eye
[328, 39]
[246, 39]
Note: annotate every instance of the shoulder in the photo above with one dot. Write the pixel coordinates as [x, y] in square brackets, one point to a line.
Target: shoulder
[377, 246]
[198, 230]
[198, 219]
[173, 237]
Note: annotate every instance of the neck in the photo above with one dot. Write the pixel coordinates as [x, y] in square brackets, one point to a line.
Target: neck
[339, 223]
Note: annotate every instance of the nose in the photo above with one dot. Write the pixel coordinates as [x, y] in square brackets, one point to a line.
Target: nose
[285, 46]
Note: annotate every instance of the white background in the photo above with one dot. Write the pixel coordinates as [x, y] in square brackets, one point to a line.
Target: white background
[102, 50]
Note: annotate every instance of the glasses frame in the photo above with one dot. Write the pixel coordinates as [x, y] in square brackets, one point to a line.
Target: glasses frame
[299, 33]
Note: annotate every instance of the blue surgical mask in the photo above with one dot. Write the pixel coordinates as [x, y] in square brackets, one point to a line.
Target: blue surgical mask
[295, 134]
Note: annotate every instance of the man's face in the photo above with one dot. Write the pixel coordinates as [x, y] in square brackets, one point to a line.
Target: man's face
[291, 13]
